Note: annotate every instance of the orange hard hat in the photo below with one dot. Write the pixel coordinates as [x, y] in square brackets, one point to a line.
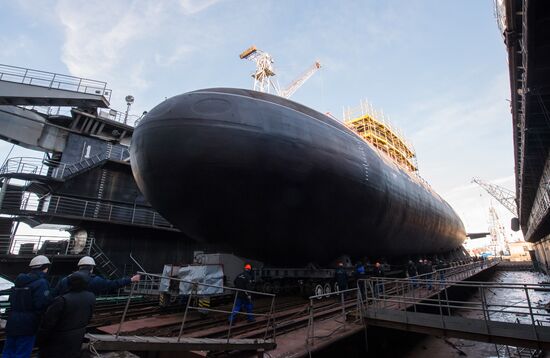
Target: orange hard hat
[247, 267]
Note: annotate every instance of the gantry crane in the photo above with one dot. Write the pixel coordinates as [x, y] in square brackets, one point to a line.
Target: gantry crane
[264, 72]
[504, 196]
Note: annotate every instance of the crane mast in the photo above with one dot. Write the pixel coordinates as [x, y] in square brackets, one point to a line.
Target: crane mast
[298, 82]
[504, 196]
[264, 72]
[499, 242]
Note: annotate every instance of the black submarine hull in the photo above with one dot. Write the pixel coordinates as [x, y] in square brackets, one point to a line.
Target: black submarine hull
[265, 177]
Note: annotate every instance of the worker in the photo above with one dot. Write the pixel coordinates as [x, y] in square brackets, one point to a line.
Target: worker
[440, 272]
[29, 299]
[341, 277]
[96, 284]
[64, 324]
[244, 282]
[428, 268]
[379, 274]
[359, 274]
[412, 272]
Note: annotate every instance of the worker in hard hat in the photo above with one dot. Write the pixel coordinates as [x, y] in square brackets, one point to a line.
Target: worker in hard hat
[96, 284]
[29, 299]
[243, 281]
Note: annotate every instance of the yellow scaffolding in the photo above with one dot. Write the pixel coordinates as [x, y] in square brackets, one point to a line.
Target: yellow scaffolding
[375, 129]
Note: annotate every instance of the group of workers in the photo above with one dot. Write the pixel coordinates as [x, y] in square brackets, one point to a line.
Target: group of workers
[55, 319]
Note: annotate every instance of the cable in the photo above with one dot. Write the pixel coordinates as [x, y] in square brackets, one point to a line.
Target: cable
[8, 155]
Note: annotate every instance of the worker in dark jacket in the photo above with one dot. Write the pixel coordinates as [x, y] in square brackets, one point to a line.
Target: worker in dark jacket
[360, 274]
[64, 324]
[341, 277]
[379, 274]
[96, 284]
[412, 272]
[28, 300]
[243, 281]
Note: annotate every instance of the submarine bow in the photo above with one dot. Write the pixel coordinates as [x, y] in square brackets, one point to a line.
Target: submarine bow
[265, 177]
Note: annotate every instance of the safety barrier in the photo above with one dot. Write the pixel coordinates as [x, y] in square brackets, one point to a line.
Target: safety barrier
[342, 306]
[420, 295]
[60, 170]
[119, 116]
[193, 298]
[32, 244]
[16, 202]
[53, 80]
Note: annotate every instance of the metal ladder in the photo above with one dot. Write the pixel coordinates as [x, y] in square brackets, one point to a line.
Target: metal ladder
[103, 263]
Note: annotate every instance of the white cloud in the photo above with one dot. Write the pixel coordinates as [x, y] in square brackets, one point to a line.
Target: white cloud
[120, 41]
[10, 48]
[190, 7]
[177, 55]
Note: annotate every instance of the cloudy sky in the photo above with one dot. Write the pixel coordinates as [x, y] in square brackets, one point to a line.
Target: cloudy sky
[437, 68]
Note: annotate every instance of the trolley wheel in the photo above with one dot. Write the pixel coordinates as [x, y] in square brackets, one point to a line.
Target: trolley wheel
[318, 290]
[267, 287]
[327, 288]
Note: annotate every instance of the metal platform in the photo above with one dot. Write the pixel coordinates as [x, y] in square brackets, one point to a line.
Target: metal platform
[24, 86]
[513, 334]
[141, 343]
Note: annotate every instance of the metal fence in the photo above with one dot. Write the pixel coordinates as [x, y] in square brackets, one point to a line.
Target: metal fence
[53, 80]
[33, 243]
[24, 202]
[431, 295]
[192, 304]
[60, 170]
[119, 116]
[348, 303]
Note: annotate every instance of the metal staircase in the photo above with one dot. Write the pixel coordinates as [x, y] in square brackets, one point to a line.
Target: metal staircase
[103, 264]
[27, 167]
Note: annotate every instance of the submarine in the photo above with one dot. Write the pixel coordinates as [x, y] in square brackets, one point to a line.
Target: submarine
[262, 176]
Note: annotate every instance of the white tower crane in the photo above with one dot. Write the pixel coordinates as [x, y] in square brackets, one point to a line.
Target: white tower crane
[298, 82]
[504, 196]
[499, 242]
[264, 72]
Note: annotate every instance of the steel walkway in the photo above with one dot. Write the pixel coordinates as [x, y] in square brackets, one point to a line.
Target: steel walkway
[427, 306]
[28, 87]
[512, 334]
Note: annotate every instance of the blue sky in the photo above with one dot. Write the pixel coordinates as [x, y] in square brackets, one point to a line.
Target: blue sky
[437, 68]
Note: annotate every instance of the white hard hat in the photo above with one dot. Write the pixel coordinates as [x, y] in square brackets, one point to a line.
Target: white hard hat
[86, 260]
[39, 260]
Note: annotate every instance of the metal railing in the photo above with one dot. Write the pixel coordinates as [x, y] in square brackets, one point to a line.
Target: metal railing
[12, 244]
[413, 294]
[434, 280]
[193, 297]
[51, 110]
[342, 307]
[60, 170]
[53, 80]
[28, 203]
[118, 116]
